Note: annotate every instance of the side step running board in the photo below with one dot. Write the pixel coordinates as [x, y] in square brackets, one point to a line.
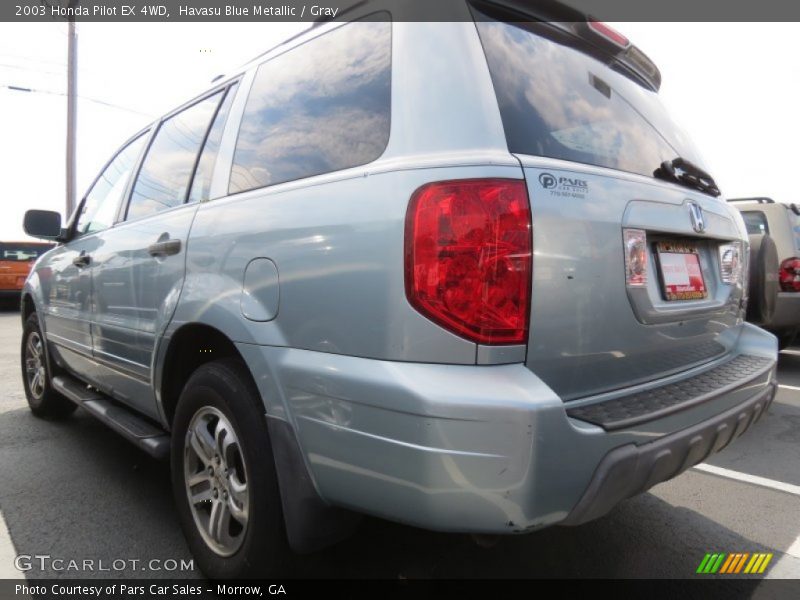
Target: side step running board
[143, 433]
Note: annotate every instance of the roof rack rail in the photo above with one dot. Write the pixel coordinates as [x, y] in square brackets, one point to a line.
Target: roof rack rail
[759, 200]
[314, 24]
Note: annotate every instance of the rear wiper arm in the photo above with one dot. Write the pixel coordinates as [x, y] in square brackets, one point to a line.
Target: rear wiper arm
[687, 173]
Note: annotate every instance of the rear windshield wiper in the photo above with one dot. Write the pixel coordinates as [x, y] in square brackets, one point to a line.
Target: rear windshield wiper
[686, 173]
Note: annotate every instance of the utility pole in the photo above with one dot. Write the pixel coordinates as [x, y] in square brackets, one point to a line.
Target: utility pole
[72, 107]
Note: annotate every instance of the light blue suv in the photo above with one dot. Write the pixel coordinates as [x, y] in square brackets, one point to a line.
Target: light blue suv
[463, 275]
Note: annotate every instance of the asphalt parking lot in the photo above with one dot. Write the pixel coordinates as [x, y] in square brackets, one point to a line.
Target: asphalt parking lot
[75, 490]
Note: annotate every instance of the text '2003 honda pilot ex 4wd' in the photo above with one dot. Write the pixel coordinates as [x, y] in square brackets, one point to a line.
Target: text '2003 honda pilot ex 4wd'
[461, 275]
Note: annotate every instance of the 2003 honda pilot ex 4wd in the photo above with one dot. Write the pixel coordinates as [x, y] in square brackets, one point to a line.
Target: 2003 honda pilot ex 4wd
[462, 275]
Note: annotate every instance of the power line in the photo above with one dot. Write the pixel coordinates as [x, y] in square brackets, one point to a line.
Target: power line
[57, 63]
[17, 88]
[26, 68]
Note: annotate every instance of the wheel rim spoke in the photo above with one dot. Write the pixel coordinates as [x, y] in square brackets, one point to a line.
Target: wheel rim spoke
[219, 522]
[198, 478]
[237, 501]
[222, 437]
[202, 496]
[202, 443]
[33, 346]
[35, 383]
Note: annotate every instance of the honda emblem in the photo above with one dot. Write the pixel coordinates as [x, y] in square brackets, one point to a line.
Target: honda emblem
[696, 216]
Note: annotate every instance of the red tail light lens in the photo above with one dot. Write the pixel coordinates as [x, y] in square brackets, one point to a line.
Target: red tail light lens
[468, 258]
[789, 275]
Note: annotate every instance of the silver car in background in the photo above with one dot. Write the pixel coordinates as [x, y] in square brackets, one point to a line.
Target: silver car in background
[466, 275]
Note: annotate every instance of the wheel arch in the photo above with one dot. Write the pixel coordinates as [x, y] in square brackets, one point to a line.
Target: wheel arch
[27, 306]
[189, 347]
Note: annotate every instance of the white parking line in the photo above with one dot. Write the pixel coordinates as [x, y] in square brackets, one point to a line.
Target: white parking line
[7, 553]
[794, 549]
[789, 387]
[795, 352]
[786, 566]
[753, 479]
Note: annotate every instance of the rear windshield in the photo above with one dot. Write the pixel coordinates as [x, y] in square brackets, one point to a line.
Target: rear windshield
[557, 101]
[21, 252]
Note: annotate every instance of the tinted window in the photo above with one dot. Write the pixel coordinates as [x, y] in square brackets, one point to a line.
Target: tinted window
[755, 222]
[208, 158]
[321, 107]
[103, 200]
[163, 180]
[557, 101]
[21, 252]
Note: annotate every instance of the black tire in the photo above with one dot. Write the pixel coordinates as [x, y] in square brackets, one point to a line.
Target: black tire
[785, 339]
[225, 387]
[43, 400]
[763, 292]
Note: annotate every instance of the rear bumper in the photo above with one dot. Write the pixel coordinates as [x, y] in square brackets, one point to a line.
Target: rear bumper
[10, 294]
[486, 449]
[630, 470]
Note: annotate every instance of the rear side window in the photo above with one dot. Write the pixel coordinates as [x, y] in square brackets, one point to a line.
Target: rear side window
[755, 221]
[558, 101]
[320, 107]
[163, 180]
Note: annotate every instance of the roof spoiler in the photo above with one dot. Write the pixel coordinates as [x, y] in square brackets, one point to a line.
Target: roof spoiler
[588, 29]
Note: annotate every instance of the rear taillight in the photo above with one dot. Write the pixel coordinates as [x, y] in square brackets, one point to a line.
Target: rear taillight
[635, 257]
[730, 262]
[468, 258]
[789, 275]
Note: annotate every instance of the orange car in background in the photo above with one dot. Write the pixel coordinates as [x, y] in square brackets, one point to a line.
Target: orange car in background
[16, 260]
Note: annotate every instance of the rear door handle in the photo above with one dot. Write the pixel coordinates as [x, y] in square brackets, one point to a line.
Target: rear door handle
[164, 248]
[82, 260]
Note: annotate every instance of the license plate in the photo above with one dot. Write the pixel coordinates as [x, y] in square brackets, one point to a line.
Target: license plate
[681, 276]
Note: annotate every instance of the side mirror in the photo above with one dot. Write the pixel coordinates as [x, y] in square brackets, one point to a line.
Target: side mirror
[45, 224]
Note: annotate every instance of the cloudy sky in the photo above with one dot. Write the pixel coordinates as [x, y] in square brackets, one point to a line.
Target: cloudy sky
[734, 88]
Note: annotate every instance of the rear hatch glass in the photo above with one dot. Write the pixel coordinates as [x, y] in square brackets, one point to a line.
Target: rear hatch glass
[558, 101]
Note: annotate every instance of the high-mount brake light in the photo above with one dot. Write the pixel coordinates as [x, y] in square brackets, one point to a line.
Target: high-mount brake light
[609, 33]
[468, 258]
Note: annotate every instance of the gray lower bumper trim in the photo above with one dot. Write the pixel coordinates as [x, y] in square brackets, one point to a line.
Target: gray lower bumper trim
[631, 469]
[654, 403]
